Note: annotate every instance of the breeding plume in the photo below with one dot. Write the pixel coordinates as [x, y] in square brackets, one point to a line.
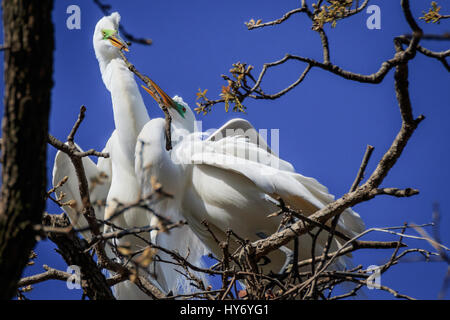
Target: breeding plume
[231, 182]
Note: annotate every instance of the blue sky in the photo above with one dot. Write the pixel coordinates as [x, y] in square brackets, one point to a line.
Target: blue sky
[325, 123]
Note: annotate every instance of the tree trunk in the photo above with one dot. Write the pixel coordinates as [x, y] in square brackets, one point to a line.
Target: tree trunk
[29, 43]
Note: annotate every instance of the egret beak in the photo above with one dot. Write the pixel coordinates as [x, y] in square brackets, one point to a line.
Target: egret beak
[168, 102]
[149, 91]
[166, 99]
[118, 43]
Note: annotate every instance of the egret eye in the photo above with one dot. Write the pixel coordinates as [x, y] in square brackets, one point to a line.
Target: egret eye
[108, 33]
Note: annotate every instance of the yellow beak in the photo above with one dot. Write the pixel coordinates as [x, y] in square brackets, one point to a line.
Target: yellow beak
[166, 99]
[116, 42]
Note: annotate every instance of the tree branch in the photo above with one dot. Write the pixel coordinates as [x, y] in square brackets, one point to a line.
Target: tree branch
[364, 192]
[50, 274]
[72, 250]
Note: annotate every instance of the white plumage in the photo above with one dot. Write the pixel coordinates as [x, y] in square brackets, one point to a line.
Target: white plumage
[99, 181]
[122, 186]
[226, 180]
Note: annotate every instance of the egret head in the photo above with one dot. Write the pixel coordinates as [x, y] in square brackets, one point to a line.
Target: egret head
[106, 39]
[181, 112]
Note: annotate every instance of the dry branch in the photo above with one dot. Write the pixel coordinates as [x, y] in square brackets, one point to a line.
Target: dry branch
[50, 274]
[72, 250]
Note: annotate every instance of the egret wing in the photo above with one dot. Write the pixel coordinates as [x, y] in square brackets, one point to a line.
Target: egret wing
[301, 192]
[98, 188]
[240, 127]
[104, 165]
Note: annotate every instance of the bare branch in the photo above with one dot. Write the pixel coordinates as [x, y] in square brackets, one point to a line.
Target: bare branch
[50, 274]
[72, 250]
[362, 168]
[408, 192]
[286, 16]
[364, 192]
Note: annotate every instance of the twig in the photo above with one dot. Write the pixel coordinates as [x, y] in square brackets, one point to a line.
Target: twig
[362, 168]
[275, 22]
[50, 274]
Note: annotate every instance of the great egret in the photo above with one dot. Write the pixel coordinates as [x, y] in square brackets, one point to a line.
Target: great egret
[130, 116]
[227, 180]
[112, 180]
[119, 185]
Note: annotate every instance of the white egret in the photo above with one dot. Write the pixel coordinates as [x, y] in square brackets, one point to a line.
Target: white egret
[216, 180]
[121, 186]
[130, 116]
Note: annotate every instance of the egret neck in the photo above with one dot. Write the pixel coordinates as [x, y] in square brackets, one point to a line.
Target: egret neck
[130, 114]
